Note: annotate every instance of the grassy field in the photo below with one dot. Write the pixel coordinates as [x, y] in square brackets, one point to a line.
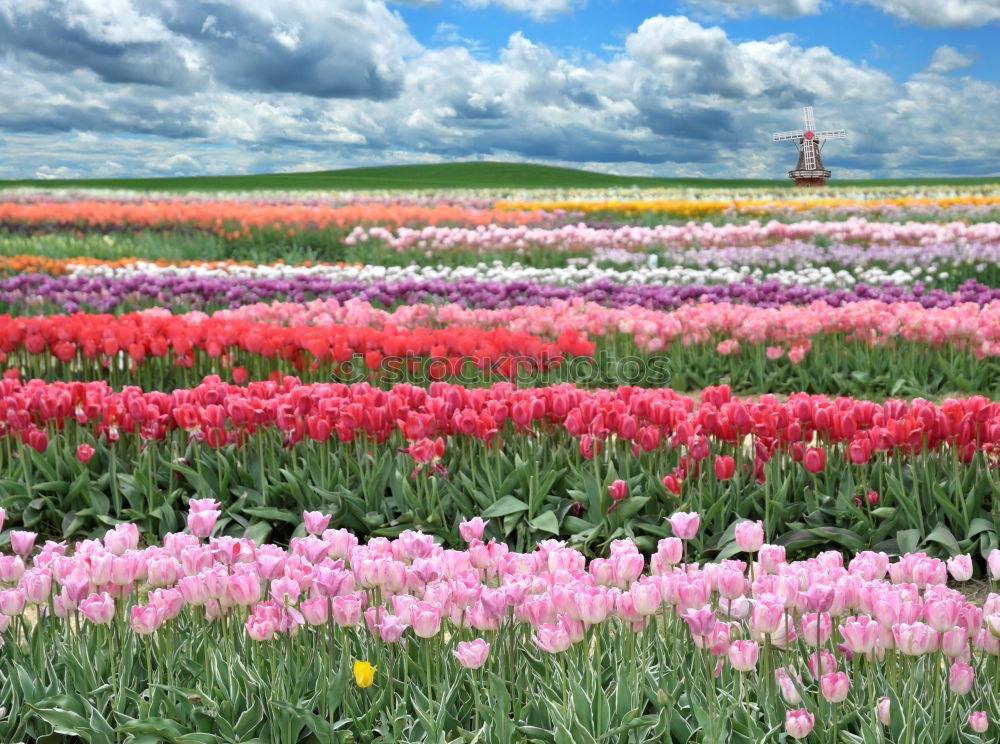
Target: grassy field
[475, 175]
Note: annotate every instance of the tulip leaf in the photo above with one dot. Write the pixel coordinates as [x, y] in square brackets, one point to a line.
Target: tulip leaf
[843, 537]
[943, 537]
[979, 525]
[908, 540]
[505, 506]
[630, 507]
[271, 513]
[546, 522]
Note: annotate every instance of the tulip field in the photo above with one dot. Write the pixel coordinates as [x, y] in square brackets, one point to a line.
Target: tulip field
[497, 466]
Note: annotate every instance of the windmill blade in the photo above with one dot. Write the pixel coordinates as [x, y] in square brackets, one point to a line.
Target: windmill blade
[782, 136]
[832, 134]
[807, 115]
[809, 154]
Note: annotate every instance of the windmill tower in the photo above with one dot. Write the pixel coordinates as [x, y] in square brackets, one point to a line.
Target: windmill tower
[809, 171]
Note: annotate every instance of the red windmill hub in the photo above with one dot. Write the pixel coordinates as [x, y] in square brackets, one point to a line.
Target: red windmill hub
[809, 171]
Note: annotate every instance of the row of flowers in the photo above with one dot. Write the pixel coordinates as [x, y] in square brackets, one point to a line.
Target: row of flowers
[756, 643]
[39, 293]
[819, 346]
[235, 218]
[895, 262]
[154, 334]
[857, 472]
[585, 238]
[789, 327]
[733, 204]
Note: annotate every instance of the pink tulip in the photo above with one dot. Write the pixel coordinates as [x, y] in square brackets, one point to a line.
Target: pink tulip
[3, 516]
[789, 692]
[743, 655]
[316, 522]
[749, 536]
[815, 628]
[834, 687]
[913, 639]
[100, 568]
[770, 557]
[169, 600]
[123, 537]
[798, 723]
[701, 621]
[955, 642]
[391, 628]
[860, 634]
[978, 722]
[685, 524]
[37, 585]
[626, 568]
[669, 552]
[22, 542]
[883, 711]
[821, 662]
[76, 586]
[766, 618]
[11, 568]
[315, 611]
[98, 608]
[552, 639]
[993, 564]
[201, 523]
[124, 569]
[575, 629]
[243, 589]
[960, 567]
[646, 597]
[472, 654]
[346, 610]
[201, 505]
[285, 590]
[942, 614]
[146, 618]
[591, 604]
[731, 583]
[472, 529]
[12, 601]
[961, 677]
[261, 628]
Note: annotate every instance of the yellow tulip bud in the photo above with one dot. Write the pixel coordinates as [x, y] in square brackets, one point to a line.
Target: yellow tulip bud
[364, 673]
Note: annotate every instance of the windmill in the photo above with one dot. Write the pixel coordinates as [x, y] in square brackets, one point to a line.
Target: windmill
[809, 171]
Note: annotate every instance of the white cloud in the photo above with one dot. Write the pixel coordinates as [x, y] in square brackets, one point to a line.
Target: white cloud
[539, 10]
[678, 98]
[942, 13]
[947, 59]
[783, 8]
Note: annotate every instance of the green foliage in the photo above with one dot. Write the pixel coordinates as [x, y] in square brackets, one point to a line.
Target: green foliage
[927, 502]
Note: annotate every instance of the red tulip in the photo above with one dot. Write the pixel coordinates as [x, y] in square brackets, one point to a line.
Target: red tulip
[672, 484]
[725, 467]
[815, 459]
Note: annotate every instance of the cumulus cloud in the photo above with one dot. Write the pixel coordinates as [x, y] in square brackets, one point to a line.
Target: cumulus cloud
[942, 13]
[539, 10]
[947, 59]
[677, 98]
[336, 49]
[782, 8]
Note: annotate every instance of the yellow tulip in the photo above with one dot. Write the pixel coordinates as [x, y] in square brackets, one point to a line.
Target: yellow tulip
[364, 673]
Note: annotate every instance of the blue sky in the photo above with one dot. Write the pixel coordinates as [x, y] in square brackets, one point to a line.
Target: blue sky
[856, 31]
[97, 88]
